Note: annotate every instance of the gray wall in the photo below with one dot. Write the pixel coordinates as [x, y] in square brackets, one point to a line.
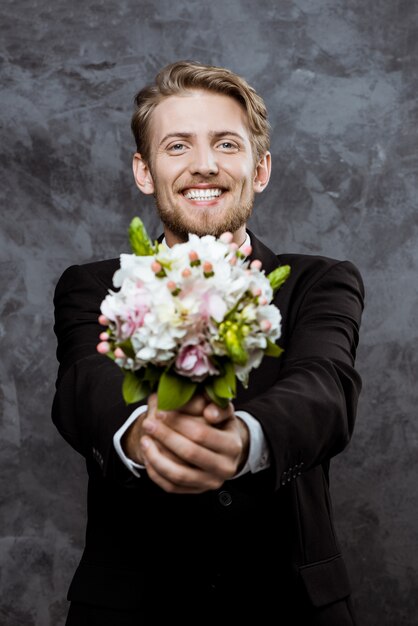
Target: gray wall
[340, 80]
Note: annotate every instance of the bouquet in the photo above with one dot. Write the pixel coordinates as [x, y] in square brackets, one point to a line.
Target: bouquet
[193, 317]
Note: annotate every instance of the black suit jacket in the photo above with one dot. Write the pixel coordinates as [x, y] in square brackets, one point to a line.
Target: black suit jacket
[268, 534]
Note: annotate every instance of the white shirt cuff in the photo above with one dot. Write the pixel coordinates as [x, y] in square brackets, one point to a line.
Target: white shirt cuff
[117, 437]
[259, 454]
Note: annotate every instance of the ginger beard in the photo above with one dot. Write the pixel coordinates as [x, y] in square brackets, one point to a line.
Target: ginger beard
[204, 220]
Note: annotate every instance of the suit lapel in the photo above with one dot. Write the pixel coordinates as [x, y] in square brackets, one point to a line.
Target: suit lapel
[264, 254]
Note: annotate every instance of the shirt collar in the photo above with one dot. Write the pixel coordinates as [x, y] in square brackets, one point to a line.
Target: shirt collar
[247, 241]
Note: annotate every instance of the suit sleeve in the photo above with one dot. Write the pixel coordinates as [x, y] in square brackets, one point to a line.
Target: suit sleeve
[308, 414]
[88, 407]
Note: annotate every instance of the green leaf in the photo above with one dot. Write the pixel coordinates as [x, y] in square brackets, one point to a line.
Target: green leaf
[141, 244]
[225, 386]
[133, 388]
[230, 374]
[278, 276]
[272, 349]
[174, 391]
[221, 388]
[222, 402]
[127, 348]
[232, 339]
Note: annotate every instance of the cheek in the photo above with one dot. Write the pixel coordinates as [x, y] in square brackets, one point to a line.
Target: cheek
[167, 174]
[243, 172]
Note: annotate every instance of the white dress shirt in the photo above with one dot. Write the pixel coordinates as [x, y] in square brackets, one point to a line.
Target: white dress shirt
[258, 455]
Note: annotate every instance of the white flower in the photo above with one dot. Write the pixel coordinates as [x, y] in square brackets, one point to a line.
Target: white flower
[170, 307]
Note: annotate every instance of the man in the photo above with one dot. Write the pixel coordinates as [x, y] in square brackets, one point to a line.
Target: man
[205, 514]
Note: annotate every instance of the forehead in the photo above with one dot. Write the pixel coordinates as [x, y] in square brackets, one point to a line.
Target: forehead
[199, 112]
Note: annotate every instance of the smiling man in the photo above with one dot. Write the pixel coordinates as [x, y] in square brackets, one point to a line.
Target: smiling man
[204, 514]
[203, 171]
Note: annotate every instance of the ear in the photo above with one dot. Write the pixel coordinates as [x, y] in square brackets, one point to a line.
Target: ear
[262, 173]
[142, 174]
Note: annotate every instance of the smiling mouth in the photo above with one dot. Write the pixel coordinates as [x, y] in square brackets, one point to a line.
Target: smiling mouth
[203, 194]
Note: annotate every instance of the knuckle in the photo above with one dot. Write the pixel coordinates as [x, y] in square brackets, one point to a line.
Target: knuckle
[169, 488]
[190, 454]
[215, 483]
[198, 433]
[224, 469]
[237, 448]
[195, 405]
[229, 469]
[179, 477]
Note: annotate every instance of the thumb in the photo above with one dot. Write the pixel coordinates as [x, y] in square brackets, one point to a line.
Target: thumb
[214, 414]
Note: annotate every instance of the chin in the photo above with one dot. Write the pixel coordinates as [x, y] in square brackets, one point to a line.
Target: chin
[208, 222]
[209, 227]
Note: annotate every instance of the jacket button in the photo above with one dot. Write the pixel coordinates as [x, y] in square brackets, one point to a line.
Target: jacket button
[225, 498]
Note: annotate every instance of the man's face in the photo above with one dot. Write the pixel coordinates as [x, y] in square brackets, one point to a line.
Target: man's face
[202, 170]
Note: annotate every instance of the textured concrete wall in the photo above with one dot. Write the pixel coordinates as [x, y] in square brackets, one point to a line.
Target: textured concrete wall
[340, 80]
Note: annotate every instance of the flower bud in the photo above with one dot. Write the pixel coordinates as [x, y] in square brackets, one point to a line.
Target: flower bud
[265, 325]
[246, 250]
[156, 267]
[226, 237]
[119, 353]
[256, 264]
[186, 272]
[104, 336]
[207, 267]
[103, 320]
[103, 347]
[193, 256]
[171, 285]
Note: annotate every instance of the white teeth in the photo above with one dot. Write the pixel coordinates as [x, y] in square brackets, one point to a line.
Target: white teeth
[202, 194]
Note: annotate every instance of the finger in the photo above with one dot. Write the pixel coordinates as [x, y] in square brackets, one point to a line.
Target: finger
[198, 444]
[195, 406]
[171, 475]
[152, 404]
[164, 451]
[215, 414]
[171, 487]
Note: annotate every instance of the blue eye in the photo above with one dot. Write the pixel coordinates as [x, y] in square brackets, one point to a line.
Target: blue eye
[176, 147]
[228, 145]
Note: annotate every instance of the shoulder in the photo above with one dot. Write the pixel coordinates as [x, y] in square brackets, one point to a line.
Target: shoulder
[309, 267]
[302, 265]
[322, 280]
[85, 283]
[308, 270]
[99, 272]
[315, 264]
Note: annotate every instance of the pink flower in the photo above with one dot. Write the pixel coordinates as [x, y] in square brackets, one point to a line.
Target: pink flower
[134, 319]
[212, 305]
[193, 361]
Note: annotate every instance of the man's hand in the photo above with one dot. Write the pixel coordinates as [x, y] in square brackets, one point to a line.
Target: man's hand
[190, 450]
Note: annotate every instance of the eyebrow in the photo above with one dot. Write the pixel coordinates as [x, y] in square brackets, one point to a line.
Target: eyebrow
[214, 134]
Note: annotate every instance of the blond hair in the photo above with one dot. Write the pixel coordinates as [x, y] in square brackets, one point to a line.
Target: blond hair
[178, 78]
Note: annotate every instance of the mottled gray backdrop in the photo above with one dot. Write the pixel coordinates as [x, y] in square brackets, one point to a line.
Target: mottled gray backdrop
[340, 80]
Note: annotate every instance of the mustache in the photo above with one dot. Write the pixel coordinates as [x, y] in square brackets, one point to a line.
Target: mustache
[202, 181]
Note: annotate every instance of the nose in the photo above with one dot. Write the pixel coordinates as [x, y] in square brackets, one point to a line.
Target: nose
[203, 161]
